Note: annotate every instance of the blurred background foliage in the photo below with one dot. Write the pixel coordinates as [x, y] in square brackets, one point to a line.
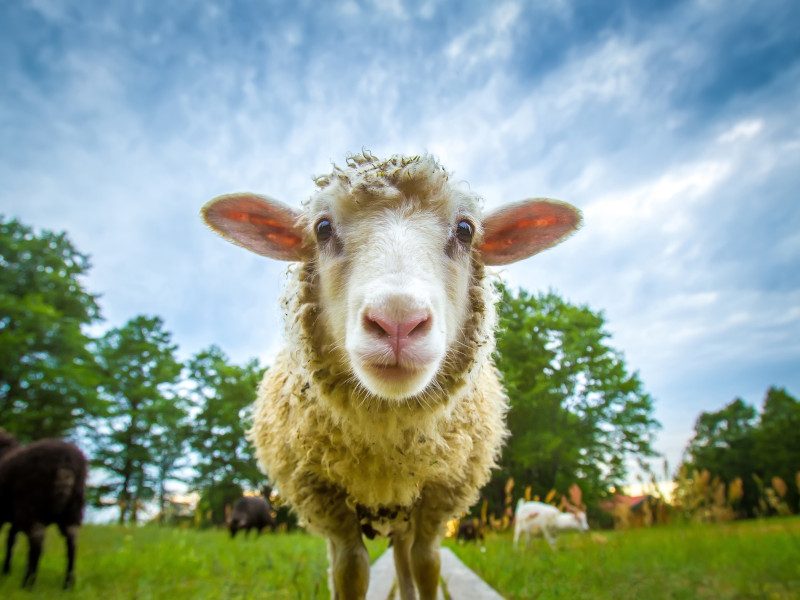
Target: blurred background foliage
[154, 425]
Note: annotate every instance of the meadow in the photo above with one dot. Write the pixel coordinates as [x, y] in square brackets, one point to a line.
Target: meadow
[753, 559]
[744, 559]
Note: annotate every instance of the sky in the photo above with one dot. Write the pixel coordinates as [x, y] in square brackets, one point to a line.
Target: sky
[673, 126]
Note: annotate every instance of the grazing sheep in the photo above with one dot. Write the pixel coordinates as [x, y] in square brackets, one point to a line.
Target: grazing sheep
[469, 531]
[251, 512]
[384, 412]
[40, 484]
[535, 517]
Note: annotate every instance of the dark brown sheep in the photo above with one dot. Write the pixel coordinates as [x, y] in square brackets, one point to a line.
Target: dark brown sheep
[470, 531]
[251, 512]
[40, 484]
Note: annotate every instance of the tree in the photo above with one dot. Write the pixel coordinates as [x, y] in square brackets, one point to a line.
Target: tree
[723, 444]
[723, 440]
[169, 442]
[576, 413]
[143, 413]
[221, 398]
[735, 442]
[777, 440]
[48, 376]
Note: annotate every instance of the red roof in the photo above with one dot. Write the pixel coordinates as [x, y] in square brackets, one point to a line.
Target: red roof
[630, 501]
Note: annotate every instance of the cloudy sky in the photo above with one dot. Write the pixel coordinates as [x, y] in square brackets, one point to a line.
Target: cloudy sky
[674, 126]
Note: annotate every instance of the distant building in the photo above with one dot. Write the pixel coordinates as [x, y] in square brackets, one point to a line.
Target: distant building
[636, 511]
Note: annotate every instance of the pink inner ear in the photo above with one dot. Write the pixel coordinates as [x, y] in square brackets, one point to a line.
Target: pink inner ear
[269, 227]
[260, 224]
[521, 230]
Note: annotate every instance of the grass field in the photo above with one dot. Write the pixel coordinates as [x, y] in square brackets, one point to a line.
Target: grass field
[164, 563]
[757, 559]
[747, 559]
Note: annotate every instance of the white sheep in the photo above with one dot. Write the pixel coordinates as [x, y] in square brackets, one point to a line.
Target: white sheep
[538, 517]
[384, 412]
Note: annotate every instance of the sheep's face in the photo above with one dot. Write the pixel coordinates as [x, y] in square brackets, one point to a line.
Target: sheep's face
[394, 275]
[393, 246]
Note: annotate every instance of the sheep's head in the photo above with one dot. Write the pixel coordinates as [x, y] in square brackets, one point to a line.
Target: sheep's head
[395, 246]
[575, 508]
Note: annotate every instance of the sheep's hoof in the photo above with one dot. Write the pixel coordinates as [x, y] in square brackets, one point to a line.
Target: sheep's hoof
[28, 581]
[69, 582]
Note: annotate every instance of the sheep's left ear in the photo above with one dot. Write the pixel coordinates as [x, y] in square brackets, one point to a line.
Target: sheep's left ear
[522, 229]
[260, 224]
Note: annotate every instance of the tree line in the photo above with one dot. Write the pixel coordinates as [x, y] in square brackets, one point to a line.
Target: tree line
[749, 459]
[577, 413]
[145, 418]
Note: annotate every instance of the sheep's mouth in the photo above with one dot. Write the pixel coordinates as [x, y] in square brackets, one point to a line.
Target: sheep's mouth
[392, 372]
[393, 379]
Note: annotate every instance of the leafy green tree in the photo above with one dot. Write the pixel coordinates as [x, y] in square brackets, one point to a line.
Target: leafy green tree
[576, 413]
[48, 376]
[169, 443]
[777, 441]
[723, 440]
[222, 395]
[144, 415]
[724, 443]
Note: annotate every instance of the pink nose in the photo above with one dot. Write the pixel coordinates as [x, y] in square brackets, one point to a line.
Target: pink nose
[398, 332]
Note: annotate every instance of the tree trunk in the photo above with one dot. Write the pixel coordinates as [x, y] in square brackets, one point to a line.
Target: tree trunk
[124, 500]
[123, 507]
[161, 501]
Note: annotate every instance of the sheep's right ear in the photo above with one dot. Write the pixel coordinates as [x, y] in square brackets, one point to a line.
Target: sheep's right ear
[522, 229]
[262, 225]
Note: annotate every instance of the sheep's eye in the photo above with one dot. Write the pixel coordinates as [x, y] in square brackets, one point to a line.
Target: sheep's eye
[324, 230]
[464, 231]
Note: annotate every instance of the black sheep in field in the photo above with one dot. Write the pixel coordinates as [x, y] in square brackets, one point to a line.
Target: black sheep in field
[40, 484]
[251, 512]
[469, 531]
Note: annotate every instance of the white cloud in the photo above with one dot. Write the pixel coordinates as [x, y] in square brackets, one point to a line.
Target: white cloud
[52, 10]
[743, 130]
[490, 39]
[393, 8]
[349, 8]
[661, 205]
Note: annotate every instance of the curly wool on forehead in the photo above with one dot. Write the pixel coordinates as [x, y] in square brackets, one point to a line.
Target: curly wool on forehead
[370, 181]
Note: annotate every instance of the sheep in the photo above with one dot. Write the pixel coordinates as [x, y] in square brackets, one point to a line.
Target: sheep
[384, 412]
[534, 517]
[470, 531]
[251, 512]
[40, 484]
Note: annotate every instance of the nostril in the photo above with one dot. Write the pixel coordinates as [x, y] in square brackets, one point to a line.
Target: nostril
[382, 326]
[420, 327]
[379, 326]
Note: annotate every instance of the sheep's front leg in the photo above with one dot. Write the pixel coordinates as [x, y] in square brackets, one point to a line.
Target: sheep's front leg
[12, 535]
[326, 512]
[402, 538]
[425, 561]
[70, 532]
[349, 566]
[548, 535]
[35, 541]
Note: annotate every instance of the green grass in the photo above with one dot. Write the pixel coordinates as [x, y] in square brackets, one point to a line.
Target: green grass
[749, 559]
[154, 563]
[754, 559]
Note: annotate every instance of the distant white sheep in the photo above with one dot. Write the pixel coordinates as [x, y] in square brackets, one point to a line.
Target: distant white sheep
[538, 517]
[384, 412]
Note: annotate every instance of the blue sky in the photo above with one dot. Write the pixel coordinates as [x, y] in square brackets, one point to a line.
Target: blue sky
[674, 126]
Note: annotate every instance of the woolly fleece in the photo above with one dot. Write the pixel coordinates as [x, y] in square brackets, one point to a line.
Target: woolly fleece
[325, 442]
